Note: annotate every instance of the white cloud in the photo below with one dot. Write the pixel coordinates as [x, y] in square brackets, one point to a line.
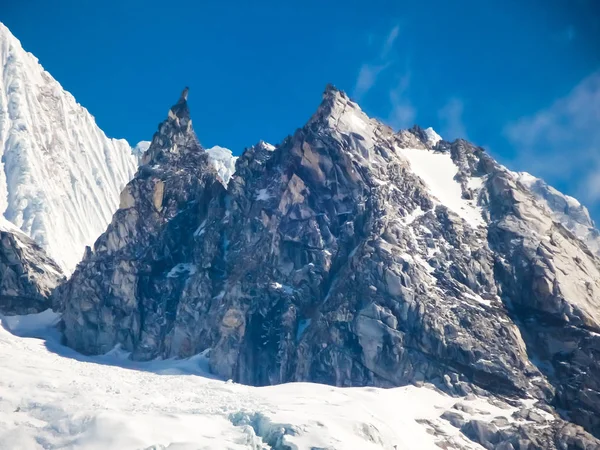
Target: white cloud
[562, 142]
[451, 120]
[592, 185]
[367, 76]
[403, 113]
[389, 42]
[368, 73]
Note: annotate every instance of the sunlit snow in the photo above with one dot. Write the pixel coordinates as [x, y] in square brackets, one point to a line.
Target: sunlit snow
[432, 137]
[437, 170]
[223, 161]
[52, 397]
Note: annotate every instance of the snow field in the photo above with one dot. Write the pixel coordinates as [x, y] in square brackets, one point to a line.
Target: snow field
[54, 398]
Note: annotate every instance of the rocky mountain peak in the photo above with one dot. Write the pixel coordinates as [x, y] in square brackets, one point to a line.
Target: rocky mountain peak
[338, 111]
[427, 136]
[180, 109]
[175, 133]
[351, 255]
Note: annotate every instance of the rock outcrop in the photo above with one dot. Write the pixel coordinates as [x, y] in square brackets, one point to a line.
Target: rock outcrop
[349, 255]
[27, 275]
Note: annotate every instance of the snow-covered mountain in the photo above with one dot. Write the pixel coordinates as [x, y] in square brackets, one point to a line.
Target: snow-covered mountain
[60, 176]
[347, 255]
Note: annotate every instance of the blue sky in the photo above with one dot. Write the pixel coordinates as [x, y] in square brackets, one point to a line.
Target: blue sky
[521, 78]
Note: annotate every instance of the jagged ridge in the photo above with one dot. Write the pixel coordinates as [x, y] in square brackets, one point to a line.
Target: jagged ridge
[340, 257]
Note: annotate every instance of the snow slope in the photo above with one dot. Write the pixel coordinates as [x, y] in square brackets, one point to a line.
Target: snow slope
[51, 398]
[438, 170]
[60, 176]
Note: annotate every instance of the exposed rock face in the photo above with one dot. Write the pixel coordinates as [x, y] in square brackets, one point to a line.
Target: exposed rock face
[564, 209]
[348, 255]
[126, 290]
[27, 275]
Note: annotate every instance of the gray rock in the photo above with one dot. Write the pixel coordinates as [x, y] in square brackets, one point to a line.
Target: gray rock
[484, 433]
[456, 419]
[27, 274]
[500, 421]
[330, 260]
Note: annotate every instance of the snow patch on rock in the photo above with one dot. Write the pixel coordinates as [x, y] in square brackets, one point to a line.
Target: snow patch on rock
[564, 209]
[140, 149]
[438, 171]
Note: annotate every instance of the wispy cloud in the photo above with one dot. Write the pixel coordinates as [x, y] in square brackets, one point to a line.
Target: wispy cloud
[562, 142]
[451, 120]
[389, 42]
[403, 113]
[368, 73]
[367, 76]
[568, 34]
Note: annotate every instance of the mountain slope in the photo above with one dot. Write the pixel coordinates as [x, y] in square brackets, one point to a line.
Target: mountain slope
[353, 256]
[564, 209]
[60, 176]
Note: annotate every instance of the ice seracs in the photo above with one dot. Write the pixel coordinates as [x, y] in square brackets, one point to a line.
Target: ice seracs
[60, 176]
[140, 149]
[223, 160]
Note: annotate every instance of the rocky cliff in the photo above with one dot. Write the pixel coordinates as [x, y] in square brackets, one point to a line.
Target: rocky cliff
[350, 255]
[27, 275]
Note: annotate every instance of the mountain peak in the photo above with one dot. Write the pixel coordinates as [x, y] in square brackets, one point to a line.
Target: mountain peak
[427, 136]
[338, 112]
[333, 96]
[184, 94]
[180, 110]
[175, 134]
